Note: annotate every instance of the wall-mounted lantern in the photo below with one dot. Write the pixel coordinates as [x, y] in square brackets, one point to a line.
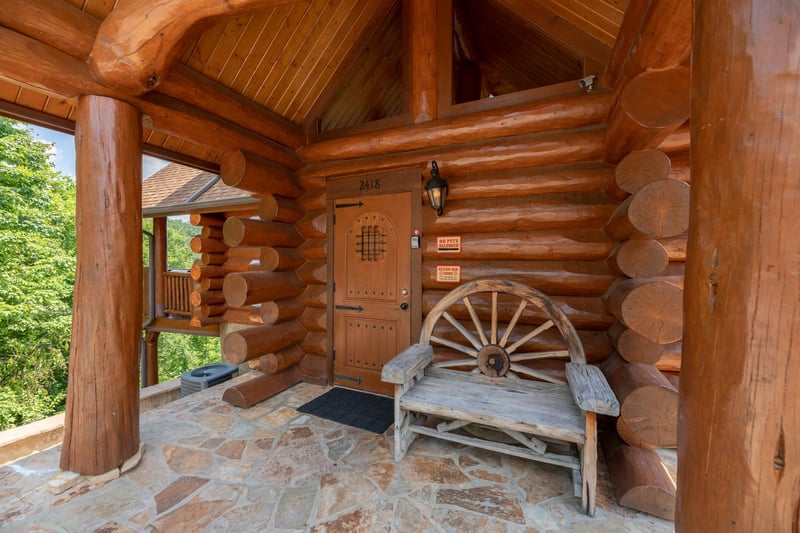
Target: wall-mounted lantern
[436, 187]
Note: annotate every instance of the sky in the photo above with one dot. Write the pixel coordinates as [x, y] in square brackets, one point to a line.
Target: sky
[63, 151]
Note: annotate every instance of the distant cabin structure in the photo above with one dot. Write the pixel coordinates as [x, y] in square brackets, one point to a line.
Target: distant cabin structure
[635, 161]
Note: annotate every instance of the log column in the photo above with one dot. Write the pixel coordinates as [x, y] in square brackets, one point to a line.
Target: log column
[739, 430]
[101, 429]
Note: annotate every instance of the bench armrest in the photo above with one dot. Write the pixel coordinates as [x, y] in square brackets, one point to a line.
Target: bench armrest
[407, 364]
[590, 389]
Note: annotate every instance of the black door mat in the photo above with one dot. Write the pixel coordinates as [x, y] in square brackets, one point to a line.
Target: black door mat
[353, 408]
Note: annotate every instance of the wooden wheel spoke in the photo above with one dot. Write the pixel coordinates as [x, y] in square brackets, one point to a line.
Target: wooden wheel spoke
[456, 362]
[494, 317]
[475, 320]
[513, 322]
[464, 331]
[530, 356]
[454, 345]
[544, 327]
[534, 373]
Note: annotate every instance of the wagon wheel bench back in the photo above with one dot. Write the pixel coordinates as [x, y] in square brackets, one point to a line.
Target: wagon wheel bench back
[484, 389]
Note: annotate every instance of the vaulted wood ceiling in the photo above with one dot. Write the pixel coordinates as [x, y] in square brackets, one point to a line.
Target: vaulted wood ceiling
[325, 65]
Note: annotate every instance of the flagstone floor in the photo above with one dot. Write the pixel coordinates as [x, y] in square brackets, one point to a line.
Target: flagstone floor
[209, 466]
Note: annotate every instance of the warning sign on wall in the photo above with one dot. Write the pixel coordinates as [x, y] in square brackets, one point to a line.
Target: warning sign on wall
[448, 273]
[448, 245]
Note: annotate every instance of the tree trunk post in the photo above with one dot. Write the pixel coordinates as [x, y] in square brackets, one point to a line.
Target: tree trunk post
[101, 429]
[739, 425]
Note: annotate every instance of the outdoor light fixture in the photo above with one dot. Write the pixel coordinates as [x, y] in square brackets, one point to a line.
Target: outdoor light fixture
[436, 188]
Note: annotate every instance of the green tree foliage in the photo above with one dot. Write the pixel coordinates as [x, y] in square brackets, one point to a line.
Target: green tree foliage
[37, 270]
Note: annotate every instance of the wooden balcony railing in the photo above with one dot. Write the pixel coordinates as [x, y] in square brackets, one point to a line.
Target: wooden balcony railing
[177, 289]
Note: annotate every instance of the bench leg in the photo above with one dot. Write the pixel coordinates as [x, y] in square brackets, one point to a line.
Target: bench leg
[400, 426]
[589, 465]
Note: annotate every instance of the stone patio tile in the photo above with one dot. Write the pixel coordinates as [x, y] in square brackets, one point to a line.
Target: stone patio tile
[231, 449]
[202, 509]
[458, 520]
[408, 517]
[177, 491]
[542, 482]
[374, 517]
[422, 470]
[294, 507]
[187, 460]
[389, 478]
[341, 490]
[492, 500]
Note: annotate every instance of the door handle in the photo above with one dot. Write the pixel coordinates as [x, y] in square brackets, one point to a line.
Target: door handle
[404, 306]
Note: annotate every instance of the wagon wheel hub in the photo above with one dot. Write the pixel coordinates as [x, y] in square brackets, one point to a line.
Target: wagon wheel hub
[493, 361]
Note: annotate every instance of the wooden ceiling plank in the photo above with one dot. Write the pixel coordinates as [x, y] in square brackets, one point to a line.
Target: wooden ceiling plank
[253, 31]
[331, 85]
[8, 91]
[58, 107]
[332, 54]
[561, 30]
[234, 29]
[254, 58]
[204, 47]
[283, 37]
[588, 19]
[308, 55]
[305, 30]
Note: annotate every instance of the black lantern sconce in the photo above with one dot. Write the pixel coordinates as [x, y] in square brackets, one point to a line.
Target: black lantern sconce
[436, 187]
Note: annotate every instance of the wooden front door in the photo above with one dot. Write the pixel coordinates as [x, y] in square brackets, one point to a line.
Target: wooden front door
[372, 287]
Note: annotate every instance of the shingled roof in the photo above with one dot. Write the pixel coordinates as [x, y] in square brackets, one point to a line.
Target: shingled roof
[178, 190]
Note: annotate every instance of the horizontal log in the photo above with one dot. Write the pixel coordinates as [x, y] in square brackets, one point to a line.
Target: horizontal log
[243, 252]
[252, 173]
[681, 167]
[209, 310]
[658, 210]
[313, 201]
[525, 151]
[200, 245]
[640, 480]
[564, 112]
[584, 312]
[273, 208]
[279, 311]
[639, 258]
[251, 232]
[280, 361]
[529, 181]
[279, 259]
[199, 271]
[315, 296]
[313, 225]
[249, 315]
[637, 349]
[676, 247]
[648, 406]
[314, 319]
[243, 345]
[670, 362]
[651, 106]
[490, 215]
[261, 387]
[210, 284]
[206, 219]
[199, 322]
[315, 369]
[198, 298]
[314, 249]
[314, 272]
[651, 308]
[565, 278]
[316, 343]
[533, 245]
[247, 288]
[211, 232]
[241, 264]
[636, 170]
[207, 258]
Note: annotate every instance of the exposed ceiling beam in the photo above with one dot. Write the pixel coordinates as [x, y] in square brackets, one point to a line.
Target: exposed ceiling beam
[140, 40]
[31, 63]
[72, 31]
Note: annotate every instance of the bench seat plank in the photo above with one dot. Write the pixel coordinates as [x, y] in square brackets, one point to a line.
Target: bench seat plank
[544, 409]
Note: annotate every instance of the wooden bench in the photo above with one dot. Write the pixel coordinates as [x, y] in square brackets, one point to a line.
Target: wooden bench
[475, 385]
